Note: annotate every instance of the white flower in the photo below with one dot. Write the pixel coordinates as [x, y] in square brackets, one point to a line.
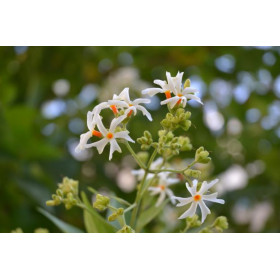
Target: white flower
[162, 188]
[181, 95]
[166, 87]
[141, 172]
[123, 101]
[109, 136]
[91, 123]
[198, 198]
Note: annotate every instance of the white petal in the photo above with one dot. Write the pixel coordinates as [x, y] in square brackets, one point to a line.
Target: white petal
[129, 109]
[114, 146]
[115, 122]
[83, 141]
[193, 97]
[178, 82]
[152, 91]
[172, 181]
[119, 103]
[204, 210]
[170, 83]
[154, 190]
[192, 189]
[145, 112]
[124, 135]
[141, 100]
[90, 120]
[97, 109]
[206, 186]
[190, 212]
[161, 198]
[213, 198]
[172, 101]
[183, 201]
[124, 95]
[189, 90]
[161, 83]
[100, 126]
[171, 196]
[100, 145]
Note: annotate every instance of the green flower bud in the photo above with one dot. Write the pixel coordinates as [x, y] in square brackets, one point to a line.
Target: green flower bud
[185, 143]
[146, 140]
[50, 203]
[193, 221]
[41, 230]
[69, 185]
[126, 229]
[201, 155]
[101, 202]
[192, 173]
[113, 217]
[17, 230]
[187, 83]
[221, 223]
[120, 211]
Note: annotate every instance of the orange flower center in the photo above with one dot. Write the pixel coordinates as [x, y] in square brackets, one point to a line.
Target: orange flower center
[96, 133]
[130, 112]
[179, 101]
[114, 109]
[168, 94]
[110, 135]
[162, 187]
[179, 94]
[197, 197]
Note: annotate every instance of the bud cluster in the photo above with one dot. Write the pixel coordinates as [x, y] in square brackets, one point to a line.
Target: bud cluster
[145, 141]
[219, 225]
[67, 194]
[179, 118]
[201, 156]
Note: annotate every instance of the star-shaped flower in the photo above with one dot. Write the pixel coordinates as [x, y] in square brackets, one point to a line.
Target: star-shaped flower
[123, 101]
[182, 95]
[162, 188]
[110, 136]
[165, 87]
[198, 198]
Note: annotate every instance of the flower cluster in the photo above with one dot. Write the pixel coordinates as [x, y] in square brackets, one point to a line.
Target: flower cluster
[157, 174]
[122, 108]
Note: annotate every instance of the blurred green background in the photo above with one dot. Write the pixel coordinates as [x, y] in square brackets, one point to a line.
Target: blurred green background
[45, 93]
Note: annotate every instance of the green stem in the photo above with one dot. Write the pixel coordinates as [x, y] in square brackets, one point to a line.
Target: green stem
[135, 156]
[172, 170]
[139, 192]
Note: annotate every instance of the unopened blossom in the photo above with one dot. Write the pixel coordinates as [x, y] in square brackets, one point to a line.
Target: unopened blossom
[165, 87]
[139, 173]
[123, 101]
[162, 189]
[182, 95]
[109, 136]
[197, 199]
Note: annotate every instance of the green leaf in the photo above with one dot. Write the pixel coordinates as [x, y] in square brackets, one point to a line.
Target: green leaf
[148, 215]
[94, 223]
[64, 227]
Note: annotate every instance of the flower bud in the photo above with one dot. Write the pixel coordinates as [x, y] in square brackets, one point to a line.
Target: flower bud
[192, 173]
[187, 83]
[221, 223]
[101, 202]
[126, 229]
[201, 155]
[113, 217]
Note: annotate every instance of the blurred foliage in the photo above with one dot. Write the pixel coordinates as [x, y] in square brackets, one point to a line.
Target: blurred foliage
[45, 93]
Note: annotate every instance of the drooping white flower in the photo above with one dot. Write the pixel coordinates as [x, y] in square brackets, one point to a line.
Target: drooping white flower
[141, 172]
[109, 136]
[162, 188]
[182, 95]
[91, 123]
[165, 87]
[123, 101]
[197, 199]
